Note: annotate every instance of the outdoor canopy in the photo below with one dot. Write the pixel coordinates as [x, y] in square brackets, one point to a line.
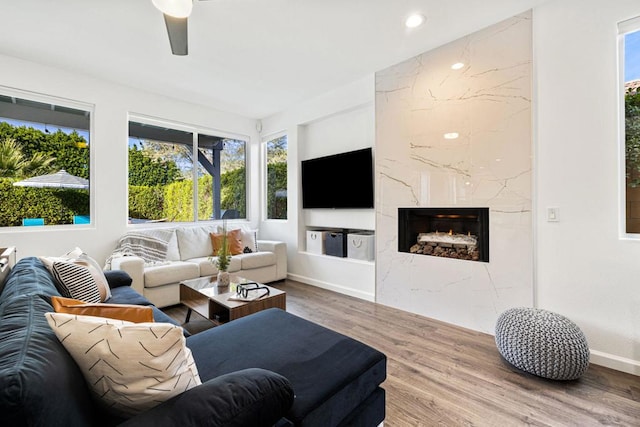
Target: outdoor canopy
[60, 179]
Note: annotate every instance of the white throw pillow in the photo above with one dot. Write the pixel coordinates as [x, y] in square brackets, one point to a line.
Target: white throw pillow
[194, 242]
[130, 367]
[250, 239]
[173, 253]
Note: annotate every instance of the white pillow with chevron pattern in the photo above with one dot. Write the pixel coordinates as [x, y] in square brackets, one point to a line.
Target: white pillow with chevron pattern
[130, 367]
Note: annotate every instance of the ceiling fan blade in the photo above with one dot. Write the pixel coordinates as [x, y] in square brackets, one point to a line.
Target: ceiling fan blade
[177, 31]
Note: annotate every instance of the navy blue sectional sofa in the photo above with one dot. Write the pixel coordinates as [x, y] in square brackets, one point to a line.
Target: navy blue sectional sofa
[268, 369]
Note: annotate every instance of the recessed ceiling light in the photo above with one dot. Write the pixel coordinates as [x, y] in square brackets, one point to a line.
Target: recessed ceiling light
[457, 66]
[414, 20]
[451, 135]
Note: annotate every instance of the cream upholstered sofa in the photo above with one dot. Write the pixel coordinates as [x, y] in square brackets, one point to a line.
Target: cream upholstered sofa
[188, 253]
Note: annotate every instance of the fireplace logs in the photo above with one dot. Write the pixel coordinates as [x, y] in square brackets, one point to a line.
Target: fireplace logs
[449, 239]
[419, 232]
[449, 245]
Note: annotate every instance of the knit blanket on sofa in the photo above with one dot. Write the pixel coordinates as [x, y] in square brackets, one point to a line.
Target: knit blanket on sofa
[151, 246]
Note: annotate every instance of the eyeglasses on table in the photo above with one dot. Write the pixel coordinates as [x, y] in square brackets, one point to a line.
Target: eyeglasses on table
[243, 289]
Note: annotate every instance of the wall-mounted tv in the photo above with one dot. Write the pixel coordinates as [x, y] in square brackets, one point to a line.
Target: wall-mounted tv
[339, 181]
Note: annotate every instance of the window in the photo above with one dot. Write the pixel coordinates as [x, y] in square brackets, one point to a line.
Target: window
[178, 174]
[44, 161]
[276, 180]
[631, 41]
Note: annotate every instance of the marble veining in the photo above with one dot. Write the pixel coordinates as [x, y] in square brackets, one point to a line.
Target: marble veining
[487, 103]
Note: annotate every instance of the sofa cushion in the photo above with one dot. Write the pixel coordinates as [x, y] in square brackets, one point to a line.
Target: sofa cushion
[40, 384]
[117, 278]
[257, 260]
[194, 242]
[251, 397]
[208, 268]
[128, 312]
[172, 272]
[331, 373]
[130, 367]
[28, 277]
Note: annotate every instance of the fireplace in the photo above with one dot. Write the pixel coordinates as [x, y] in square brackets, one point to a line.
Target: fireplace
[460, 233]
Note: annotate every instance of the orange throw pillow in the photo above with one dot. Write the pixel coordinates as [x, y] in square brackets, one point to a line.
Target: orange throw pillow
[234, 242]
[128, 312]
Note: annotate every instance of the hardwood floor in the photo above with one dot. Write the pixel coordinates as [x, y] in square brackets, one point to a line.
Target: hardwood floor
[443, 375]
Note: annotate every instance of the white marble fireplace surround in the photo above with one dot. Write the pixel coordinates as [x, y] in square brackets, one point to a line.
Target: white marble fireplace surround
[488, 103]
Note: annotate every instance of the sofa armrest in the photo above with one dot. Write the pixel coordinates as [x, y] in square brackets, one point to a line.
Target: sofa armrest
[250, 397]
[280, 249]
[134, 267]
[117, 278]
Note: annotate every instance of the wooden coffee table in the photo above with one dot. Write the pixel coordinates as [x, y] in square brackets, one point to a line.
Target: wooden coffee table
[205, 297]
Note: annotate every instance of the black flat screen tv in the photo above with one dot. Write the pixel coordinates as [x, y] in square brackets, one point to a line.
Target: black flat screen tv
[339, 181]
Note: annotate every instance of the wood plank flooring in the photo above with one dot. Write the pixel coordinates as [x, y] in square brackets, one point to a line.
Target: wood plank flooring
[443, 375]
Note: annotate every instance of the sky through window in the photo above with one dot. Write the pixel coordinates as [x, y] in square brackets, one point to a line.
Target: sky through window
[632, 56]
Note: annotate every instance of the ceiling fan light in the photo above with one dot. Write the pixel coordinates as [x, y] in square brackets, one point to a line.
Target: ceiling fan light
[175, 8]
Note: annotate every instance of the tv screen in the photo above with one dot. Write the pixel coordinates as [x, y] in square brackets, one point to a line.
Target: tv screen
[339, 181]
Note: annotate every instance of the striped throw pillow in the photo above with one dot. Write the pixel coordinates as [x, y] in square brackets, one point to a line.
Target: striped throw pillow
[75, 281]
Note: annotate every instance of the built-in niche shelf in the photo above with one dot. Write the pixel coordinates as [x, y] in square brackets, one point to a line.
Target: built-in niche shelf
[349, 244]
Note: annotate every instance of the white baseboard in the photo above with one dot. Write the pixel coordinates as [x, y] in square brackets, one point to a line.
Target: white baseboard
[615, 362]
[333, 287]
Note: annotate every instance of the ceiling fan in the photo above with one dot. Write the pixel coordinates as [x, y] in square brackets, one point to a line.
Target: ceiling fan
[176, 13]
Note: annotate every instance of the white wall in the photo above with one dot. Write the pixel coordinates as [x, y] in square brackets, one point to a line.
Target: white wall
[584, 269]
[109, 144]
[339, 121]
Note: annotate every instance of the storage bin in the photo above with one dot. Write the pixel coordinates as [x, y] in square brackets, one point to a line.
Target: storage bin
[361, 246]
[315, 241]
[336, 244]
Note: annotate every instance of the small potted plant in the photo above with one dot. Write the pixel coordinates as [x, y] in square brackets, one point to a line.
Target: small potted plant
[223, 258]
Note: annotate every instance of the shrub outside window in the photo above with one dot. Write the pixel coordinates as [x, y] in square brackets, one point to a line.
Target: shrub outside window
[631, 58]
[276, 179]
[44, 161]
[178, 174]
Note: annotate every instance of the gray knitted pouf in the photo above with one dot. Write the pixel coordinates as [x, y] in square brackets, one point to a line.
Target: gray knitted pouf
[542, 343]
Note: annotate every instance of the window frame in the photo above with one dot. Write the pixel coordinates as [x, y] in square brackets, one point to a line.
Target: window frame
[66, 103]
[625, 27]
[195, 131]
[264, 200]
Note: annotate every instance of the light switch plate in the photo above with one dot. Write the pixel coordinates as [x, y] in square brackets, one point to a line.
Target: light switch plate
[553, 214]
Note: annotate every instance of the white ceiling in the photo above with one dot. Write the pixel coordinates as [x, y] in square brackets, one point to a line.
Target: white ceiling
[251, 57]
